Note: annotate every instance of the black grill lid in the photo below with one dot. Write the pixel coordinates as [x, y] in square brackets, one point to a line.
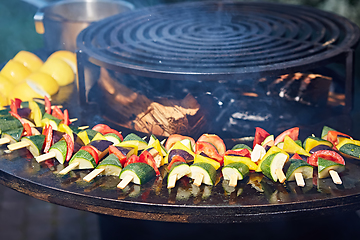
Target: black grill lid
[217, 40]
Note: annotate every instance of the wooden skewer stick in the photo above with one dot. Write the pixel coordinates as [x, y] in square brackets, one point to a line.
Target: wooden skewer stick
[93, 174]
[280, 174]
[18, 145]
[198, 179]
[335, 177]
[125, 182]
[41, 101]
[299, 179]
[233, 180]
[172, 181]
[4, 141]
[59, 106]
[69, 168]
[83, 127]
[73, 120]
[45, 156]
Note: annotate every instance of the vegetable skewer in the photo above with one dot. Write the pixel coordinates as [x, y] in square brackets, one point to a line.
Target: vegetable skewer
[109, 166]
[88, 156]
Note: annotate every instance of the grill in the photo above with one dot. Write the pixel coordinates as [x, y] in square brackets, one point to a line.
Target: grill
[173, 50]
[248, 55]
[212, 41]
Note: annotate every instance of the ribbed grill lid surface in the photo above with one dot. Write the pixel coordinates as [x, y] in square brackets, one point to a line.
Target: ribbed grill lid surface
[217, 40]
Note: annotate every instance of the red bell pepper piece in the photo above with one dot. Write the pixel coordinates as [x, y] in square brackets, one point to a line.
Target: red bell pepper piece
[146, 157]
[47, 105]
[48, 137]
[175, 159]
[209, 150]
[66, 118]
[326, 154]
[332, 136]
[241, 152]
[56, 112]
[14, 114]
[26, 126]
[13, 106]
[92, 152]
[260, 135]
[69, 145]
[27, 129]
[18, 102]
[293, 133]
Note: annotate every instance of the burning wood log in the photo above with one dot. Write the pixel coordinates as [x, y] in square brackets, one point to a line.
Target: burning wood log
[162, 117]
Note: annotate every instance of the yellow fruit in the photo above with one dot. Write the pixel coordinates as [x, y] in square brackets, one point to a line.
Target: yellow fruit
[3, 101]
[29, 60]
[15, 71]
[47, 82]
[68, 57]
[59, 70]
[26, 92]
[5, 86]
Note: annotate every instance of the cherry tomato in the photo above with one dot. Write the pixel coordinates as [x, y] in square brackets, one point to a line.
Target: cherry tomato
[172, 139]
[214, 140]
[241, 152]
[175, 159]
[133, 159]
[260, 135]
[105, 129]
[296, 156]
[145, 156]
[92, 152]
[122, 158]
[326, 154]
[293, 133]
[209, 150]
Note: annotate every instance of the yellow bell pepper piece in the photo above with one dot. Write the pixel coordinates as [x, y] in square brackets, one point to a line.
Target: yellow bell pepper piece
[291, 146]
[247, 161]
[199, 158]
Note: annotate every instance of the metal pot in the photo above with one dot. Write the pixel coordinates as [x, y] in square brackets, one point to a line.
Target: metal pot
[61, 22]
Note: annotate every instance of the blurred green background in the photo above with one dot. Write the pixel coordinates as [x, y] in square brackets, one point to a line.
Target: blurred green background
[17, 31]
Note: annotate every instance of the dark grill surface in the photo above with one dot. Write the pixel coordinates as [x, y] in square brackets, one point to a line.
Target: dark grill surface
[212, 40]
